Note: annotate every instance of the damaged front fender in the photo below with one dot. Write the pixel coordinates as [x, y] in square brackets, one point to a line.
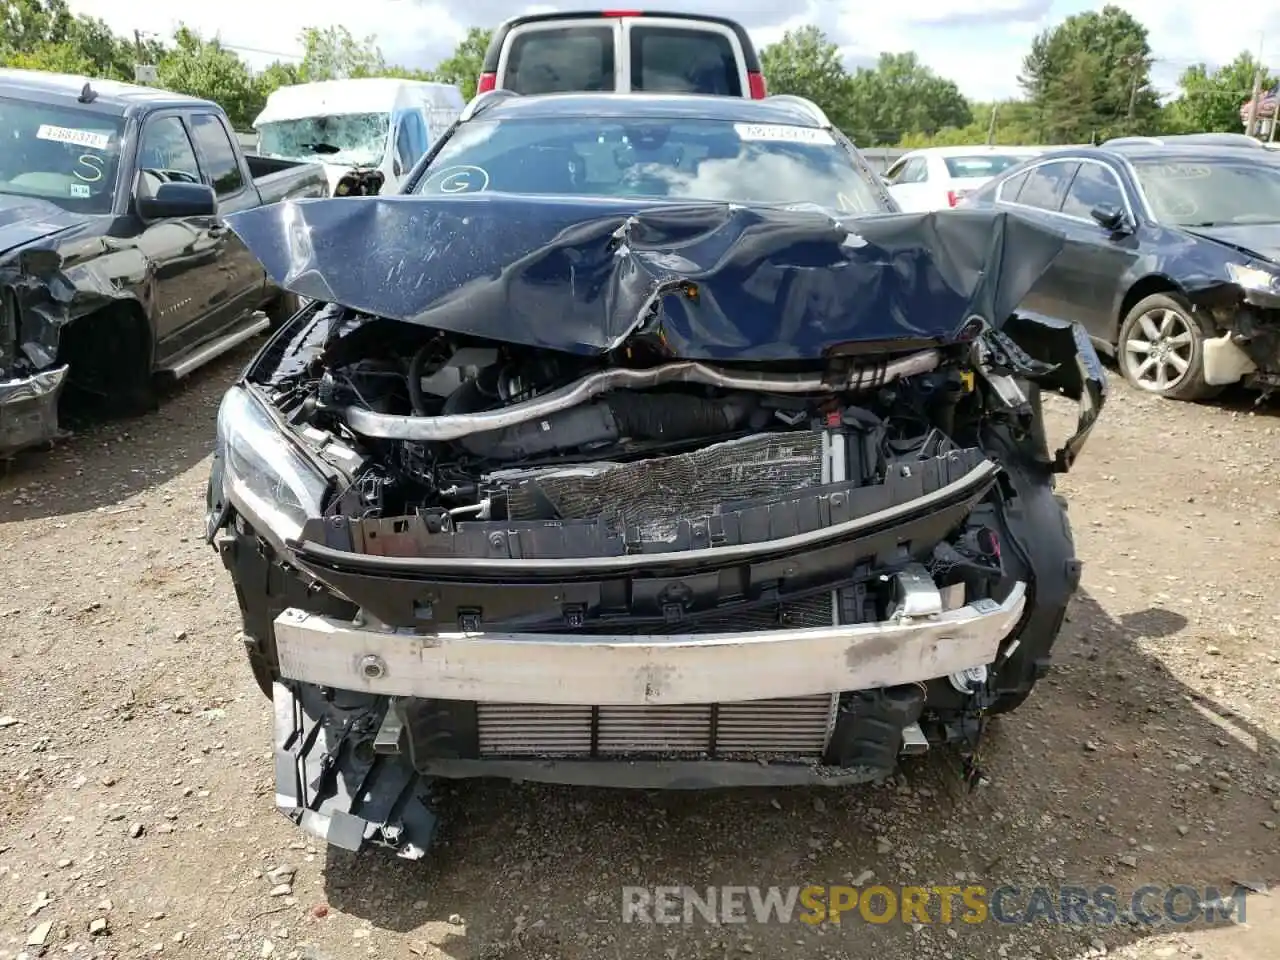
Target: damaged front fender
[44, 287]
[1055, 355]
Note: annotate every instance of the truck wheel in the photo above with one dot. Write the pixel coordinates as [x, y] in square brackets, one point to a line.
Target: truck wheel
[282, 309]
[1160, 348]
[110, 358]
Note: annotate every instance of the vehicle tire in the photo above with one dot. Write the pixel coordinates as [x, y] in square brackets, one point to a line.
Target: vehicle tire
[1160, 348]
[280, 310]
[110, 358]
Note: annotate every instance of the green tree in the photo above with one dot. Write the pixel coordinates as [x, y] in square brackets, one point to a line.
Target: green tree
[804, 63]
[26, 24]
[332, 53]
[1090, 77]
[55, 57]
[462, 67]
[43, 35]
[205, 68]
[274, 75]
[1014, 126]
[901, 96]
[1211, 100]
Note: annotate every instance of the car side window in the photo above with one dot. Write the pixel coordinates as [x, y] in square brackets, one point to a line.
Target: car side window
[1094, 186]
[165, 154]
[221, 163]
[1046, 185]
[1008, 191]
[411, 139]
[916, 171]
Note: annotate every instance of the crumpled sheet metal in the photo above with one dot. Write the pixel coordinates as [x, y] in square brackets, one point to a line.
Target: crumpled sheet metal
[1076, 372]
[708, 281]
[44, 384]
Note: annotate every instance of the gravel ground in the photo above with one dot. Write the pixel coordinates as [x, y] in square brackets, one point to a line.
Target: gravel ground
[136, 809]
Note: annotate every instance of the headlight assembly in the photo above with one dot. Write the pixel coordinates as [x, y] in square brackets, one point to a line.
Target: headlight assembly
[1258, 279]
[262, 472]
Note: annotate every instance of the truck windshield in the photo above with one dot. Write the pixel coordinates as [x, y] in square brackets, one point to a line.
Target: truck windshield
[348, 139]
[678, 159]
[67, 156]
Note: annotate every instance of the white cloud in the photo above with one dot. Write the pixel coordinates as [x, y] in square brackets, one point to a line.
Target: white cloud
[1183, 32]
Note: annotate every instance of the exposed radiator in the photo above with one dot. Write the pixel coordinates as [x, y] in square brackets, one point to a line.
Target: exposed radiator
[795, 727]
[652, 495]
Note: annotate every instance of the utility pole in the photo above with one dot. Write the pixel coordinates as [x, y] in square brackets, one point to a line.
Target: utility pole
[991, 127]
[1257, 92]
[1133, 91]
[143, 72]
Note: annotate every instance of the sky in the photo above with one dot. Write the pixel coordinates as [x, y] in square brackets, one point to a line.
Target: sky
[979, 44]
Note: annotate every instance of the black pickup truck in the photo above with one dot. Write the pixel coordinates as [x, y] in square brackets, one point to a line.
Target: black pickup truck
[116, 269]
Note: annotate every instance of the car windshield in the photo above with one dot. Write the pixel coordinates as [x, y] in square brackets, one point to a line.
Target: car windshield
[349, 139]
[1212, 193]
[677, 159]
[981, 165]
[67, 156]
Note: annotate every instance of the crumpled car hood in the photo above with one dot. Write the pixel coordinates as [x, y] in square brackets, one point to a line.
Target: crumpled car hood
[710, 280]
[24, 220]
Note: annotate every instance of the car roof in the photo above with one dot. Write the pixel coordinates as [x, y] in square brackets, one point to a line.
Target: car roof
[976, 151]
[1136, 152]
[112, 96]
[647, 105]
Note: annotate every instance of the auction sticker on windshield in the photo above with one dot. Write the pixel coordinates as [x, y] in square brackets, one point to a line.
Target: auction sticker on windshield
[782, 133]
[81, 138]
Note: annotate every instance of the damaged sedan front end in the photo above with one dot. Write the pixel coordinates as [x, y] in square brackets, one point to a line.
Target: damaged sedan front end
[643, 495]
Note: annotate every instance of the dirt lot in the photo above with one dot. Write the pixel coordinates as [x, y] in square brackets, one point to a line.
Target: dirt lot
[136, 783]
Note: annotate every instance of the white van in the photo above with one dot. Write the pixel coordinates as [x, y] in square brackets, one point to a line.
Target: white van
[371, 123]
[622, 50]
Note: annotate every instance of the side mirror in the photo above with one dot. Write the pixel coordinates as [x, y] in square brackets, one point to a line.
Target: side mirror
[177, 200]
[1107, 216]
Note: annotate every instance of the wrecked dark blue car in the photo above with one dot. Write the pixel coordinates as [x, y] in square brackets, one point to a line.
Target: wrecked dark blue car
[643, 489]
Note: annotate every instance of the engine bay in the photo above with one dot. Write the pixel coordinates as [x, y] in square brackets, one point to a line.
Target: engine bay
[672, 446]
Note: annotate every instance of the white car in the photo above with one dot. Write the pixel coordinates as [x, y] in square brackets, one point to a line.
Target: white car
[936, 178]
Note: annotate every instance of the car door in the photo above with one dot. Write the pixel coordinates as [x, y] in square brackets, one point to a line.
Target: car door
[1039, 193]
[239, 284]
[559, 56]
[908, 181]
[180, 250]
[409, 145]
[1096, 259]
[674, 55]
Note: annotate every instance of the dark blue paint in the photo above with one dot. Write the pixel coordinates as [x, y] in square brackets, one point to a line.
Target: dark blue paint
[583, 275]
[1091, 282]
[24, 220]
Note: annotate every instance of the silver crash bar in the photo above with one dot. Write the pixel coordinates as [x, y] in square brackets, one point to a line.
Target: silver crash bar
[921, 642]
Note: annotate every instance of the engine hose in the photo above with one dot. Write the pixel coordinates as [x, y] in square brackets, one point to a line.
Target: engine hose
[619, 415]
[417, 399]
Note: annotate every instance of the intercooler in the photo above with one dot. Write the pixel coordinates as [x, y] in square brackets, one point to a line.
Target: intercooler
[649, 498]
[796, 727]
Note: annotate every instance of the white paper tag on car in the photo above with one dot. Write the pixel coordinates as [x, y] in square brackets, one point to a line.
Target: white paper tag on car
[782, 133]
[81, 138]
[79, 190]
